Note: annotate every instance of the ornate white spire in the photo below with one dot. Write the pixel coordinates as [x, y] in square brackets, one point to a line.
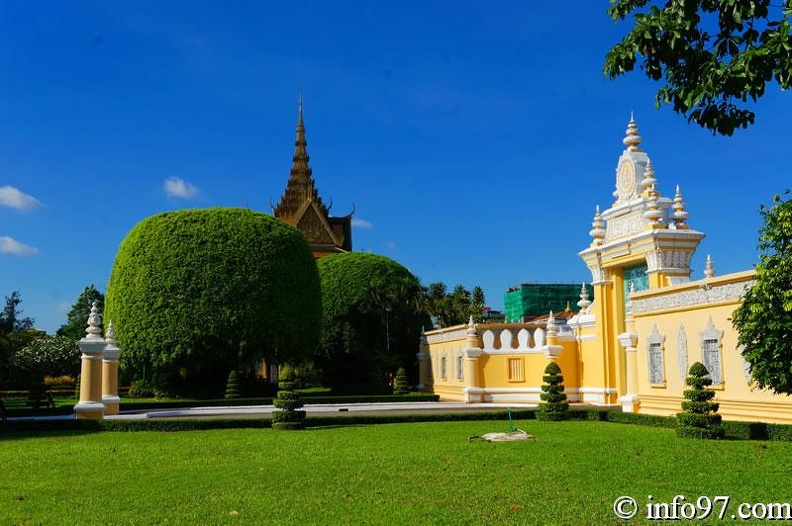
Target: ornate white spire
[471, 330]
[551, 325]
[110, 336]
[584, 298]
[632, 139]
[653, 213]
[680, 215]
[94, 330]
[648, 182]
[598, 228]
[709, 270]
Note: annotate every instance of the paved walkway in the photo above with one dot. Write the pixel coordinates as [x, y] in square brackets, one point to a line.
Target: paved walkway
[313, 409]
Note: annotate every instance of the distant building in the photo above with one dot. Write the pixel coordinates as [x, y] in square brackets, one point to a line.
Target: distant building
[301, 206]
[532, 300]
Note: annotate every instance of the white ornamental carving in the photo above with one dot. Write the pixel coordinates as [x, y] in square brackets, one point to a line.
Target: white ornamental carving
[668, 259]
[623, 226]
[682, 354]
[690, 298]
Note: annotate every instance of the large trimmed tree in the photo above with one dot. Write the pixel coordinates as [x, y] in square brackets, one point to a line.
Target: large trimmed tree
[764, 318]
[195, 294]
[372, 317]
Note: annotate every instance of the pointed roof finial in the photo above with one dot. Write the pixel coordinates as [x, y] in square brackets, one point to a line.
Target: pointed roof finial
[94, 330]
[709, 270]
[597, 231]
[648, 182]
[680, 215]
[110, 336]
[584, 298]
[632, 139]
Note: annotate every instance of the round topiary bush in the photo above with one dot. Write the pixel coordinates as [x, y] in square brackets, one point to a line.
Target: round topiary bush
[371, 320]
[289, 417]
[699, 418]
[554, 404]
[197, 293]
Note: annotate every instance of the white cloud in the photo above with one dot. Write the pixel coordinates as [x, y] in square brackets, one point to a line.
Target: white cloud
[391, 245]
[12, 246]
[361, 223]
[178, 187]
[10, 196]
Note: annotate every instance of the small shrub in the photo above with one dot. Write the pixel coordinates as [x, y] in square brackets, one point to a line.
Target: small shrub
[402, 386]
[554, 405]
[59, 382]
[288, 402]
[699, 418]
[232, 386]
[141, 389]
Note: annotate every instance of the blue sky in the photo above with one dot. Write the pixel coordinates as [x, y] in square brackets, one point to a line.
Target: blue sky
[474, 139]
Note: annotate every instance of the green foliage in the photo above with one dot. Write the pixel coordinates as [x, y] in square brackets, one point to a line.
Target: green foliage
[715, 58]
[372, 319]
[196, 293]
[455, 308]
[764, 318]
[554, 405]
[699, 418]
[402, 385]
[232, 386]
[11, 319]
[288, 401]
[49, 356]
[141, 389]
[77, 318]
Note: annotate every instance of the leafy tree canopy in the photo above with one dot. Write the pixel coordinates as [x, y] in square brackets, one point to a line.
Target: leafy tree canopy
[50, 355]
[77, 318]
[372, 317]
[454, 308]
[764, 319]
[715, 57]
[213, 290]
[11, 319]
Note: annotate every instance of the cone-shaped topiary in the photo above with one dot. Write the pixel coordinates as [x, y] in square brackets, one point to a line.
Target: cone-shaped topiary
[232, 386]
[288, 402]
[554, 405]
[699, 418]
[402, 386]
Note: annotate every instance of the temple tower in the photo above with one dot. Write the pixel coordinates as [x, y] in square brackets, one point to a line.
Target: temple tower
[301, 206]
[642, 241]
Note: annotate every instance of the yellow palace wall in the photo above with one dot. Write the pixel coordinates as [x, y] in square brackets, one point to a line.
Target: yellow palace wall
[499, 362]
[683, 316]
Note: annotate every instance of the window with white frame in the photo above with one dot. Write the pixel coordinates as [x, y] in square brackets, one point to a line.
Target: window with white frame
[655, 357]
[443, 367]
[711, 339]
[460, 367]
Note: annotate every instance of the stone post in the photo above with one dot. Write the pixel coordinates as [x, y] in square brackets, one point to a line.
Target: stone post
[472, 391]
[92, 345]
[424, 362]
[110, 354]
[630, 401]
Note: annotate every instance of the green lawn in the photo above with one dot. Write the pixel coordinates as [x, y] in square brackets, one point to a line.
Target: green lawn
[423, 473]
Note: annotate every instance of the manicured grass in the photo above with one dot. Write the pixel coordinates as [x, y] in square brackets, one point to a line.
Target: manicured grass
[423, 473]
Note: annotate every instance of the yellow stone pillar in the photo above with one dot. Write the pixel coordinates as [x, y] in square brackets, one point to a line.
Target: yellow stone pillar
[424, 363]
[630, 401]
[473, 391]
[92, 345]
[110, 354]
